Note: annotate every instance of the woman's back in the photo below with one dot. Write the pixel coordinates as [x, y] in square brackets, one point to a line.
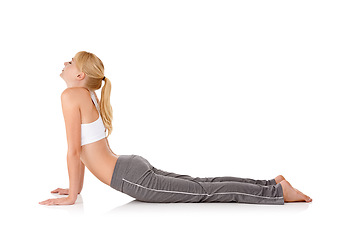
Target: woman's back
[96, 156]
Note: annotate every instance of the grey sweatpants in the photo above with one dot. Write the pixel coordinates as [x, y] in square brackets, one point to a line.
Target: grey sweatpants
[136, 177]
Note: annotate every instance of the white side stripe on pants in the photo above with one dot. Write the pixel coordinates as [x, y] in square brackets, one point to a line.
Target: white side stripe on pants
[204, 194]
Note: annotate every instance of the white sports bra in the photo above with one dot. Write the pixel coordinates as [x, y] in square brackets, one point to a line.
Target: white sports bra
[94, 131]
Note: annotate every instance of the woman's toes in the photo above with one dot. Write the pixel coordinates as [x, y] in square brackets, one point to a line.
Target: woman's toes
[291, 194]
[279, 179]
[306, 198]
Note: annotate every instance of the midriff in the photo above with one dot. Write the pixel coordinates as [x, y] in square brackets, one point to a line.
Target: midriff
[100, 161]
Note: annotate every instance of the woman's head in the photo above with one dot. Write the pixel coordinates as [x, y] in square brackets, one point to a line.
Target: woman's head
[87, 70]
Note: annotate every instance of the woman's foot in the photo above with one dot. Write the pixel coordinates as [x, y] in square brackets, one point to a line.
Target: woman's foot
[291, 194]
[279, 179]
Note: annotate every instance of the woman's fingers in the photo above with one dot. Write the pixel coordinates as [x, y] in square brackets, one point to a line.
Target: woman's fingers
[46, 202]
[58, 201]
[61, 191]
[49, 202]
[56, 190]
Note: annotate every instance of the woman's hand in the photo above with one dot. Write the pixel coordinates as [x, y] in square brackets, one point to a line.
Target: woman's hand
[59, 201]
[61, 191]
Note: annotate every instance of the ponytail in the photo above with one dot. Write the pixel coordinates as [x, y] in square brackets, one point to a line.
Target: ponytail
[105, 107]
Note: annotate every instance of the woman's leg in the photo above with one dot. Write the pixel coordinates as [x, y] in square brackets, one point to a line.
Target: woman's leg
[290, 194]
[139, 179]
[216, 179]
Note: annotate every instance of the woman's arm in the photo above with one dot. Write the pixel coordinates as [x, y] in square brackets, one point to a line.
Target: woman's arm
[74, 169]
[72, 116]
[81, 177]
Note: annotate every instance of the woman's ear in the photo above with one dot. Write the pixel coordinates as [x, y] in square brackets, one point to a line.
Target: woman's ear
[81, 76]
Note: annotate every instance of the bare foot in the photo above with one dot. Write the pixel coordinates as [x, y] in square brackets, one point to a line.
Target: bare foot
[291, 194]
[279, 178]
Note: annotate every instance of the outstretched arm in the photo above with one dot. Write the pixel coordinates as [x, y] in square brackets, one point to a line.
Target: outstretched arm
[72, 117]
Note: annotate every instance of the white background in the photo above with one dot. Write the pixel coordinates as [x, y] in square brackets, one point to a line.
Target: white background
[204, 88]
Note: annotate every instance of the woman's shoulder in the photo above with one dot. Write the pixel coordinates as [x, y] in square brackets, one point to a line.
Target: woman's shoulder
[75, 90]
[75, 94]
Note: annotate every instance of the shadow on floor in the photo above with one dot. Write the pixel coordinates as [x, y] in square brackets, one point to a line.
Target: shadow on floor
[136, 206]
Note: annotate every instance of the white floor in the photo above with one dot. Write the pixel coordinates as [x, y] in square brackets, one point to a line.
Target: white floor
[107, 213]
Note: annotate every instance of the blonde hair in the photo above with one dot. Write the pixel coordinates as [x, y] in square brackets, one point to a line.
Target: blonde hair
[93, 67]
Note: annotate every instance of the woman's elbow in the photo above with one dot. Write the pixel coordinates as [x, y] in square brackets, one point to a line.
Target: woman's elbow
[73, 154]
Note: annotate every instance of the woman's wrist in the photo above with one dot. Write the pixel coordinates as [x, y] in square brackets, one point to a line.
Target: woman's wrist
[73, 197]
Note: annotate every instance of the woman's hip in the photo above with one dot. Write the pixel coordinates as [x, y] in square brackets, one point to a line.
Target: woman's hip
[136, 177]
[130, 168]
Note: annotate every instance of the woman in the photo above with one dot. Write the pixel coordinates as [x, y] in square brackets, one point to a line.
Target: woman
[86, 121]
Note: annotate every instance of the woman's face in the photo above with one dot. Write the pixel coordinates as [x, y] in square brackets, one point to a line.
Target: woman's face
[70, 72]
